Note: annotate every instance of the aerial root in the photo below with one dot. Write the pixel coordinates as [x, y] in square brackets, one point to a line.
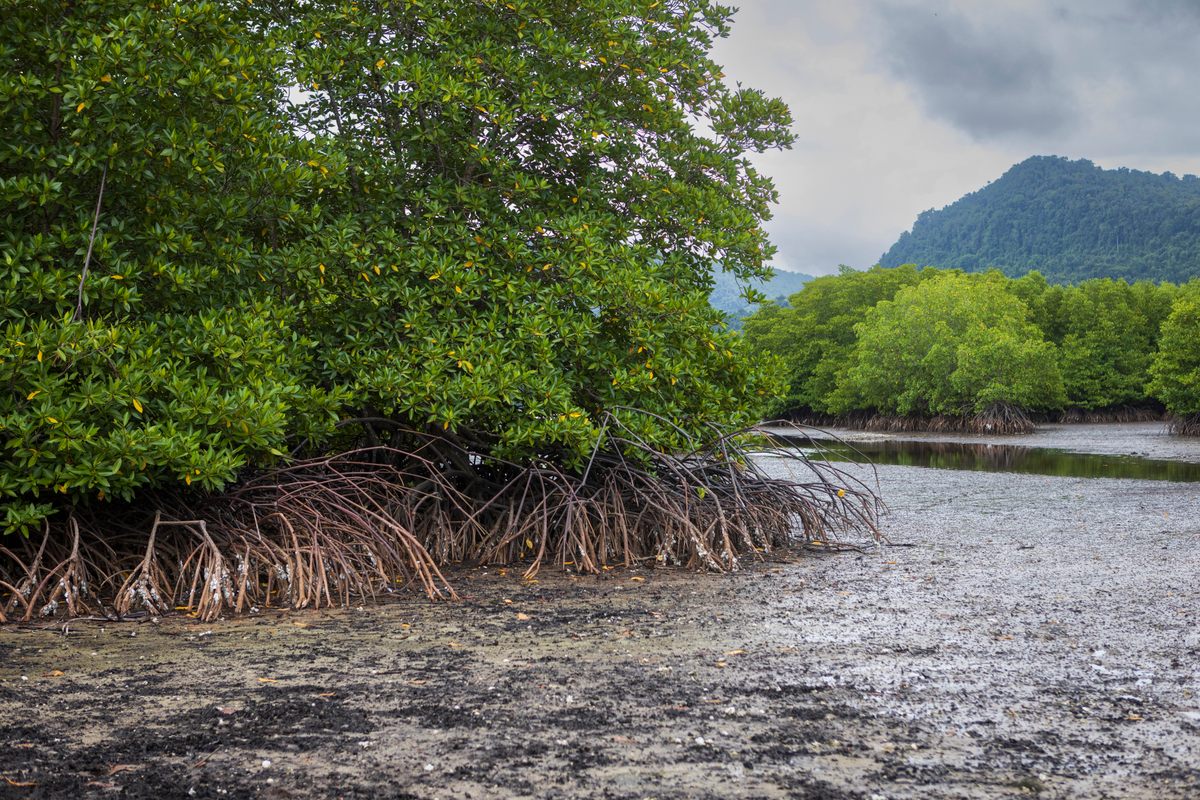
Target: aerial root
[336, 530]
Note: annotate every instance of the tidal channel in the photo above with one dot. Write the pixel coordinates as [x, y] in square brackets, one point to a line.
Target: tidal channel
[992, 457]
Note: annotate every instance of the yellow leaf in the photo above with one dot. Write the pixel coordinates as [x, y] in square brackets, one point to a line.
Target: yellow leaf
[268, 680]
[137, 405]
[321, 268]
[52, 420]
[637, 578]
[523, 616]
[458, 290]
[735, 653]
[39, 356]
[529, 543]
[187, 479]
[33, 394]
[380, 64]
[79, 108]
[106, 79]
[841, 492]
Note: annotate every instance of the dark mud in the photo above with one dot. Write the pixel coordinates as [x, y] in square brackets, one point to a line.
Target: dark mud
[1025, 636]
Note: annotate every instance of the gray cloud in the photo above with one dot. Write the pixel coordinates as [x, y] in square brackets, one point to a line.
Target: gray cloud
[989, 82]
[904, 105]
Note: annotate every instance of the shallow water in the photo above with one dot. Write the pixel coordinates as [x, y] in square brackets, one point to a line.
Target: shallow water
[992, 457]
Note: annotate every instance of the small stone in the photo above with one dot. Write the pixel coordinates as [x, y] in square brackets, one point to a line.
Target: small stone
[266, 762]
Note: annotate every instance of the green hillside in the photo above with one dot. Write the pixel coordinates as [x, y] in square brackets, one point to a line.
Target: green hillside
[727, 295]
[1070, 220]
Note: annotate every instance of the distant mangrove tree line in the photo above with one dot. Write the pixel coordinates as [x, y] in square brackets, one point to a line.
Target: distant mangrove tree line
[931, 347]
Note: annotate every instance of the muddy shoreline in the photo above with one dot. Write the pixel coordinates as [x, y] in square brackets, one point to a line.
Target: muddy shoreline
[1024, 636]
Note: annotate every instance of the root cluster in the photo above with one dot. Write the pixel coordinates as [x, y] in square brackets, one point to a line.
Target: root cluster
[336, 530]
[1185, 425]
[999, 419]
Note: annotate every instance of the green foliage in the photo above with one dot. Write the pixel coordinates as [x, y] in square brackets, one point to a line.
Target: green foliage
[1071, 220]
[1175, 372]
[815, 335]
[1107, 341]
[518, 217]
[954, 345]
[161, 364]
[960, 343]
[484, 217]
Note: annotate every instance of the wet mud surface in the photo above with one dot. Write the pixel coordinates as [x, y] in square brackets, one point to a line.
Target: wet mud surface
[1024, 636]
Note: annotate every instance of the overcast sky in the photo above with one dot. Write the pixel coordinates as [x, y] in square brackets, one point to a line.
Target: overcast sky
[904, 105]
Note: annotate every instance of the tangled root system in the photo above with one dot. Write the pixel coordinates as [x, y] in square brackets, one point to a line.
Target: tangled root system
[999, 419]
[336, 530]
[1185, 425]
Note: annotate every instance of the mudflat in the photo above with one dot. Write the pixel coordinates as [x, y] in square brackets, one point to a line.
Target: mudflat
[1022, 636]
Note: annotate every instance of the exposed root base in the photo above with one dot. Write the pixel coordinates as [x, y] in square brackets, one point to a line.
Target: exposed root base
[1188, 425]
[998, 420]
[1074, 416]
[885, 423]
[334, 530]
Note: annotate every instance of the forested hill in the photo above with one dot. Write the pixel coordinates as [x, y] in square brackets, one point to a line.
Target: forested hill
[1070, 220]
[726, 294]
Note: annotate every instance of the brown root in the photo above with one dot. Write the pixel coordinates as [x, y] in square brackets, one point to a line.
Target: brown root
[1000, 419]
[335, 530]
[1185, 425]
[1076, 416]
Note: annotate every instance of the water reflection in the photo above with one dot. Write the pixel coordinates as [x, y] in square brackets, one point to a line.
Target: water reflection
[997, 458]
